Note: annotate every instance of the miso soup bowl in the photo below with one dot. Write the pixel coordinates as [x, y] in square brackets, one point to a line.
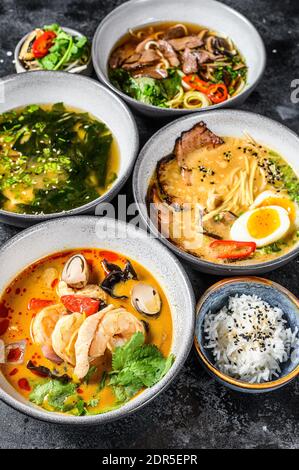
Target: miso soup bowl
[87, 95]
[94, 232]
[211, 14]
[231, 123]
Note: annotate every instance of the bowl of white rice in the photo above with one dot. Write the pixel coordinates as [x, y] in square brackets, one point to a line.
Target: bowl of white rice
[247, 334]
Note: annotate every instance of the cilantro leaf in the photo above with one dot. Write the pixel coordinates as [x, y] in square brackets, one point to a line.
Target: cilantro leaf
[60, 396]
[136, 365]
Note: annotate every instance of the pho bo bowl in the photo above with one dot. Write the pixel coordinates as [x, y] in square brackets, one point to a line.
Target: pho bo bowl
[223, 123]
[272, 293]
[211, 14]
[80, 93]
[107, 234]
[83, 69]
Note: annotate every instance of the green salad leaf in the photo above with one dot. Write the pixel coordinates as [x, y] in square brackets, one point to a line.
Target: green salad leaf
[136, 365]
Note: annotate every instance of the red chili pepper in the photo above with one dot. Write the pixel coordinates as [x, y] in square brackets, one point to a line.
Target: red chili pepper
[24, 385]
[3, 310]
[217, 93]
[14, 354]
[37, 304]
[78, 303]
[41, 45]
[196, 83]
[109, 255]
[14, 372]
[79, 390]
[231, 249]
[3, 326]
[54, 283]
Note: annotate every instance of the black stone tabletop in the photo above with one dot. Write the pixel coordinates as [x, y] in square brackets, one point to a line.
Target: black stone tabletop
[195, 411]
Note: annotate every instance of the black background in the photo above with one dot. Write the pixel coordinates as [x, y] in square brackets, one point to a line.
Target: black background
[195, 411]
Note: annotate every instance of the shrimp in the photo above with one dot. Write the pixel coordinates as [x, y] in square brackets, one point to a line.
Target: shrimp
[90, 290]
[85, 337]
[42, 326]
[65, 335]
[114, 330]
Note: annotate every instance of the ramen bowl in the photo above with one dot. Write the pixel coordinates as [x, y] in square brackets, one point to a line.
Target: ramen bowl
[231, 123]
[211, 14]
[276, 296]
[107, 234]
[84, 94]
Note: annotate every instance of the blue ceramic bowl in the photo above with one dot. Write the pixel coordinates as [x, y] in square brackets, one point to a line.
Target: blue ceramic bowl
[217, 296]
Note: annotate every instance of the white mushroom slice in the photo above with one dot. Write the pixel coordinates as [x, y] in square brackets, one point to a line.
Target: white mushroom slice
[26, 52]
[65, 336]
[76, 272]
[43, 324]
[146, 299]
[85, 336]
[91, 290]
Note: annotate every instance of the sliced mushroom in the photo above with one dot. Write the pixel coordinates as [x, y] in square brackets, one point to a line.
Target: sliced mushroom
[146, 299]
[76, 272]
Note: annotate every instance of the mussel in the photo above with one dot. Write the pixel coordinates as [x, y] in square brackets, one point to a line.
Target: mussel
[76, 272]
[146, 299]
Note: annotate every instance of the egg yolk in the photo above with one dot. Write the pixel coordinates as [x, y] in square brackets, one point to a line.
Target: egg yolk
[288, 205]
[263, 222]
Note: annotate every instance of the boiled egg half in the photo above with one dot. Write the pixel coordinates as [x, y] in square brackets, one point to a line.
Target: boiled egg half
[263, 225]
[272, 198]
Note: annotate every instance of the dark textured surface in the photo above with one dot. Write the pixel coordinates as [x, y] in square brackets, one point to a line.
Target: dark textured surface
[195, 411]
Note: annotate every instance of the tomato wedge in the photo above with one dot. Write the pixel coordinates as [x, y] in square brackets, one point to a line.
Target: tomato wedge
[41, 45]
[196, 83]
[231, 249]
[78, 303]
[14, 354]
[38, 304]
[217, 93]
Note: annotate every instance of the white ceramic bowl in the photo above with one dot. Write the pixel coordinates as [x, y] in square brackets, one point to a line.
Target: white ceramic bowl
[82, 70]
[83, 93]
[212, 14]
[224, 123]
[92, 232]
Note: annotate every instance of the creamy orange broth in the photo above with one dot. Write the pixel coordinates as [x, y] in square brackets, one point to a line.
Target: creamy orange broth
[32, 283]
[219, 177]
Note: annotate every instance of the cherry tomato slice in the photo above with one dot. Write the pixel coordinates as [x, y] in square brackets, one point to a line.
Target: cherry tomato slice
[78, 303]
[38, 304]
[14, 354]
[41, 45]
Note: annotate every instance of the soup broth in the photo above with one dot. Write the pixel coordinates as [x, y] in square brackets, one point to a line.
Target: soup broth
[233, 190]
[54, 158]
[21, 307]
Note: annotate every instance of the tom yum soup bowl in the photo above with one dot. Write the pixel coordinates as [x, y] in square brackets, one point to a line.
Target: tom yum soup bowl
[276, 297]
[106, 237]
[215, 17]
[192, 176]
[72, 145]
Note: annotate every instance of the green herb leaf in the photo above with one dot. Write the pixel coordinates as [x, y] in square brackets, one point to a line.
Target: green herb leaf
[136, 365]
